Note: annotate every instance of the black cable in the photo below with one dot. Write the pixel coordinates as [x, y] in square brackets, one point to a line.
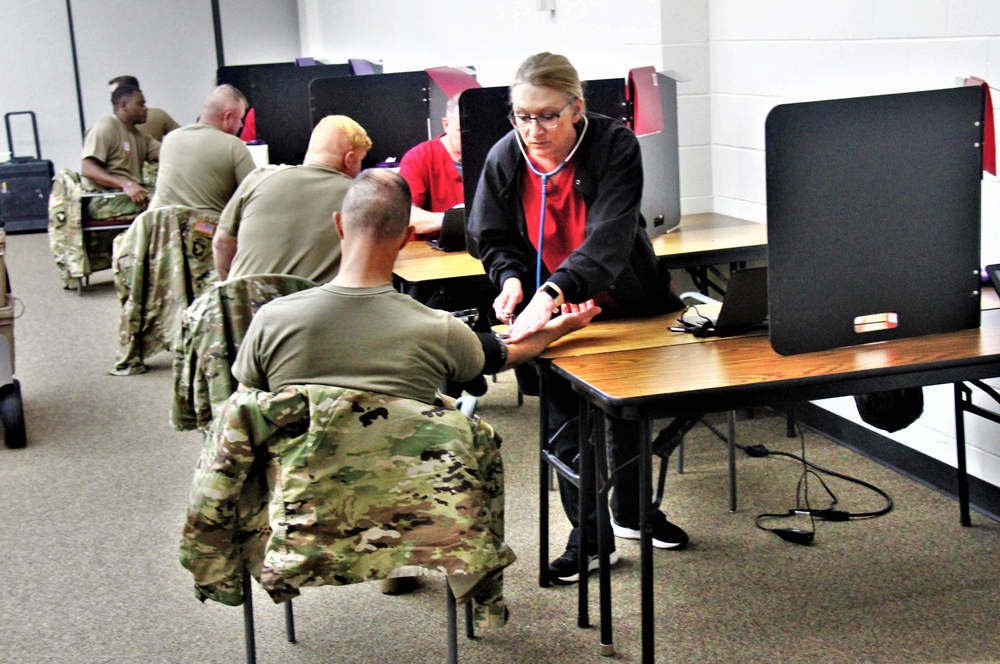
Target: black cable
[798, 535]
[826, 514]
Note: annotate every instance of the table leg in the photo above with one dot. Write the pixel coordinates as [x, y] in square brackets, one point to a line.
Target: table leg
[543, 481]
[646, 539]
[585, 462]
[963, 395]
[963, 405]
[732, 460]
[604, 538]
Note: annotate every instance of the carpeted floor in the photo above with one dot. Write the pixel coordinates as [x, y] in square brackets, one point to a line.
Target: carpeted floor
[92, 509]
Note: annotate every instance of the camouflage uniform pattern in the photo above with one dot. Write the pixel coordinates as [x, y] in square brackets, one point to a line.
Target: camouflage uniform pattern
[65, 232]
[77, 254]
[211, 331]
[317, 485]
[161, 264]
[112, 207]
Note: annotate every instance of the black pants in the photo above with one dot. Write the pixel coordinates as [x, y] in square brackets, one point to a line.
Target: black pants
[622, 443]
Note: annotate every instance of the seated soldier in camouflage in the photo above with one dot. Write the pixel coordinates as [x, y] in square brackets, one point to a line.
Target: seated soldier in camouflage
[114, 152]
[358, 332]
[317, 485]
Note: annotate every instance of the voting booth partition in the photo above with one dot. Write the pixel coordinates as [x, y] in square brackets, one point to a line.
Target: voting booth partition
[873, 213]
[397, 110]
[484, 112]
[279, 94]
[653, 96]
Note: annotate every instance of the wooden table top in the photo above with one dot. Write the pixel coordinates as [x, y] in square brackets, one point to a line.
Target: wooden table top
[418, 261]
[640, 333]
[620, 335]
[700, 234]
[739, 362]
[698, 240]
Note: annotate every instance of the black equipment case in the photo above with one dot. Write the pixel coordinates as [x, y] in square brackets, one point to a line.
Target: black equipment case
[25, 183]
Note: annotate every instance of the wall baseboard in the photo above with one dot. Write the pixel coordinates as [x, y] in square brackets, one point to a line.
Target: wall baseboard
[984, 497]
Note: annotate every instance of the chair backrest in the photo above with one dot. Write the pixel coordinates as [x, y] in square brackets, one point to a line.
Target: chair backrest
[210, 333]
[161, 264]
[65, 234]
[319, 485]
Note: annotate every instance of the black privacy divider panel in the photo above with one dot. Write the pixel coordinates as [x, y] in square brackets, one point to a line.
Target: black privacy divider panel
[661, 189]
[279, 93]
[873, 208]
[483, 116]
[393, 109]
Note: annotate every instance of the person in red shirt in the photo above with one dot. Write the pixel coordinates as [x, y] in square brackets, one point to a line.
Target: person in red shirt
[433, 169]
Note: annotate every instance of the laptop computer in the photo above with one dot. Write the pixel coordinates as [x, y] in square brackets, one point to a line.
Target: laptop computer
[744, 308]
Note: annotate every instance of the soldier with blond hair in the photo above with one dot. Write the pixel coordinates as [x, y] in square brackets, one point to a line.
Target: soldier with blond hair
[280, 220]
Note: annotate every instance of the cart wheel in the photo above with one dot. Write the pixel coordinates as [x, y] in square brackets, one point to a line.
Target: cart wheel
[12, 415]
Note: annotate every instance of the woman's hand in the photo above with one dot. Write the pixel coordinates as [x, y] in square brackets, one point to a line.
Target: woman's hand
[508, 299]
[534, 317]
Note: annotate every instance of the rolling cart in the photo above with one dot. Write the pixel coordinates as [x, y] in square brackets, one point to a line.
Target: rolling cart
[11, 406]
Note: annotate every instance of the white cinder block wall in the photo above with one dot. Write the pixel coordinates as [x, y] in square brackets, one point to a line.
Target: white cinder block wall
[777, 51]
[169, 47]
[601, 38]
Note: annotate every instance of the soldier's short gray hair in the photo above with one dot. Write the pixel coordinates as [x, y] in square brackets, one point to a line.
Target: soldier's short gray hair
[378, 202]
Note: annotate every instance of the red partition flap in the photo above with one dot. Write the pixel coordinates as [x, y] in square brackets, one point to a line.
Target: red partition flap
[989, 132]
[452, 81]
[644, 93]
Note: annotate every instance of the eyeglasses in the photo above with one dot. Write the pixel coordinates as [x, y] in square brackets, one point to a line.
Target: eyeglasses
[544, 120]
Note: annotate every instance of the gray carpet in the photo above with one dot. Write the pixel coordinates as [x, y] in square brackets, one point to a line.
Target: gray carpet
[93, 505]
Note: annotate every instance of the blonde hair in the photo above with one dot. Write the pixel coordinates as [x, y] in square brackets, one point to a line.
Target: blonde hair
[357, 137]
[551, 71]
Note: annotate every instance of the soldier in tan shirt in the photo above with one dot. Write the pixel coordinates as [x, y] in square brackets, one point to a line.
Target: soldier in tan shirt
[158, 122]
[114, 152]
[202, 164]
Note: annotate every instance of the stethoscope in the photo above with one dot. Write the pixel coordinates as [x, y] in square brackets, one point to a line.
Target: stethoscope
[545, 180]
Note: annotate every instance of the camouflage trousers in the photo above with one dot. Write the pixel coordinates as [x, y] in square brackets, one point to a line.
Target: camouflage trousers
[109, 207]
[122, 206]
